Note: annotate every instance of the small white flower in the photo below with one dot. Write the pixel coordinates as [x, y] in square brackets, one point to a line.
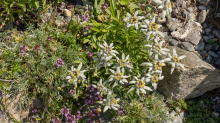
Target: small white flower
[110, 103]
[133, 20]
[123, 63]
[157, 64]
[152, 28]
[101, 87]
[76, 75]
[117, 77]
[175, 60]
[154, 78]
[139, 86]
[107, 51]
[167, 8]
[156, 48]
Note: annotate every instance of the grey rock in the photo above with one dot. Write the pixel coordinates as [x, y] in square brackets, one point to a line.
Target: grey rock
[208, 59]
[67, 19]
[218, 15]
[216, 33]
[190, 9]
[202, 1]
[167, 36]
[213, 54]
[209, 47]
[197, 78]
[217, 61]
[173, 42]
[189, 33]
[204, 25]
[202, 16]
[216, 48]
[206, 38]
[202, 7]
[203, 54]
[187, 15]
[9, 25]
[207, 31]
[172, 25]
[187, 46]
[203, 31]
[218, 52]
[200, 46]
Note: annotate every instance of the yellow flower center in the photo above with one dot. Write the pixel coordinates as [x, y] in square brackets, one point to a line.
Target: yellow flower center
[108, 50]
[157, 65]
[152, 26]
[154, 78]
[115, 101]
[140, 84]
[74, 74]
[122, 63]
[157, 48]
[168, 5]
[176, 59]
[118, 76]
[133, 19]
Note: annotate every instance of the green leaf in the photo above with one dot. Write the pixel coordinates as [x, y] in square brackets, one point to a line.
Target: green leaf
[125, 2]
[23, 6]
[77, 61]
[86, 40]
[132, 5]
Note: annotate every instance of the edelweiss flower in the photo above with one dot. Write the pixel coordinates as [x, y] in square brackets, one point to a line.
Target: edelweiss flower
[133, 21]
[157, 64]
[156, 48]
[123, 63]
[76, 75]
[102, 61]
[152, 27]
[154, 79]
[175, 60]
[101, 87]
[167, 8]
[139, 86]
[117, 77]
[108, 50]
[110, 103]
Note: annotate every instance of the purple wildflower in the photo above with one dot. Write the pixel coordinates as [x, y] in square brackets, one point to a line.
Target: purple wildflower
[65, 111]
[59, 62]
[71, 118]
[85, 17]
[104, 6]
[49, 38]
[78, 103]
[121, 110]
[56, 120]
[36, 48]
[23, 49]
[71, 92]
[87, 27]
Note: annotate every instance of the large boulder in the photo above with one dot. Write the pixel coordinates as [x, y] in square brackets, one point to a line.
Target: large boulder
[12, 107]
[189, 33]
[197, 78]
